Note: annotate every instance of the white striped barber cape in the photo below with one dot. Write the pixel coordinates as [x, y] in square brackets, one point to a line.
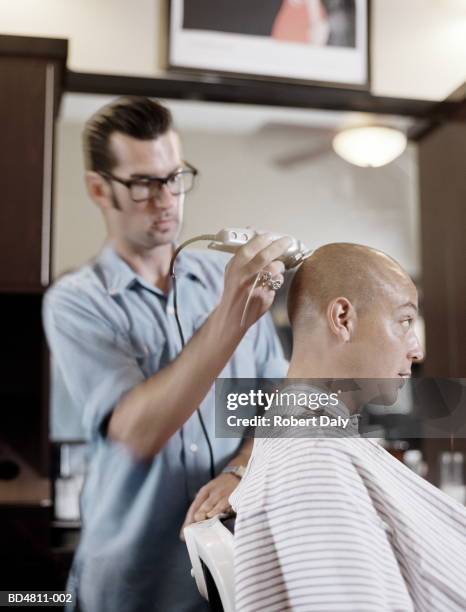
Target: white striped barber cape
[339, 525]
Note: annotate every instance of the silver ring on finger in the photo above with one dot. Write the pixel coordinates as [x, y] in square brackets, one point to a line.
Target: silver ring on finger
[274, 284]
[265, 277]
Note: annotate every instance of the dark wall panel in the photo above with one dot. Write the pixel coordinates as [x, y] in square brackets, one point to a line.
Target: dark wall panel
[26, 116]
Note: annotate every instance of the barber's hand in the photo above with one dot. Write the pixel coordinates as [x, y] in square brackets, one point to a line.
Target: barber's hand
[212, 499]
[258, 255]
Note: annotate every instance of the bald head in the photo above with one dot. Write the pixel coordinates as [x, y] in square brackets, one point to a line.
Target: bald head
[358, 273]
[353, 311]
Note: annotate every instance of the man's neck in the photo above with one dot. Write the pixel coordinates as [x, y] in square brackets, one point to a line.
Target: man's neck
[308, 366]
[313, 367]
[152, 265]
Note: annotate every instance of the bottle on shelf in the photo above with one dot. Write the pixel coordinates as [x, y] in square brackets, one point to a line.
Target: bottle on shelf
[413, 459]
[451, 475]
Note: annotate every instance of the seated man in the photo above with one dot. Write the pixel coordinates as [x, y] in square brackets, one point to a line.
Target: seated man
[337, 524]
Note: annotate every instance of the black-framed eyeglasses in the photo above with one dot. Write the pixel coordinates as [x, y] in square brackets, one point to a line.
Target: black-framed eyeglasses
[143, 188]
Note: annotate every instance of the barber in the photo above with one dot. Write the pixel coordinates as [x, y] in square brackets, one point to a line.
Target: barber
[113, 334]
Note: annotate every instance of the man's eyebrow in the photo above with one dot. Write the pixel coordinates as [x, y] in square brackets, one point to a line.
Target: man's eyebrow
[408, 305]
[141, 175]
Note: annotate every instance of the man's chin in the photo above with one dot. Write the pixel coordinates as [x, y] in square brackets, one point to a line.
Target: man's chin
[381, 391]
[389, 389]
[156, 238]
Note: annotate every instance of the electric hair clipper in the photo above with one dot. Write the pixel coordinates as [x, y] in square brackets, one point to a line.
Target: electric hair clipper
[232, 238]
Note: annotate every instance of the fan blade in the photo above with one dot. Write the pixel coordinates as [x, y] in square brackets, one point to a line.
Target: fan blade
[294, 130]
[305, 156]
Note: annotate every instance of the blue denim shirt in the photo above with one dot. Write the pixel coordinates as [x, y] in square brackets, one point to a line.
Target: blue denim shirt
[108, 331]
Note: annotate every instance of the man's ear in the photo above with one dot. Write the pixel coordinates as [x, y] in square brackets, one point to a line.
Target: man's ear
[341, 317]
[98, 189]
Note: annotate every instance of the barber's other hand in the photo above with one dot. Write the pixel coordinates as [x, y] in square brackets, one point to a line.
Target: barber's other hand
[258, 255]
[211, 499]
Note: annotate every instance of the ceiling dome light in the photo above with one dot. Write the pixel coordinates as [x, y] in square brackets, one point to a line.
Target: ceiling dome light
[369, 147]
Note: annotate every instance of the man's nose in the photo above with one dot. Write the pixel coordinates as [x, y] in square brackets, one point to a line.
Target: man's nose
[163, 198]
[416, 352]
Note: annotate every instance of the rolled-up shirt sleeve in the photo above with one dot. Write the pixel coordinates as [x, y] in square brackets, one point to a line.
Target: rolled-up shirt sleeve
[97, 363]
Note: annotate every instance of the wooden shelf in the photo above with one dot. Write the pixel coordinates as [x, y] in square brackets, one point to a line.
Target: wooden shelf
[34, 46]
[28, 488]
[252, 91]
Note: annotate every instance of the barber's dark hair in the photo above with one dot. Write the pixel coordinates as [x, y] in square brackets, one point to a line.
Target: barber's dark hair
[134, 116]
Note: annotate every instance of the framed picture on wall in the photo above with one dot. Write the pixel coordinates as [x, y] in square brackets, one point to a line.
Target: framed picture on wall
[323, 41]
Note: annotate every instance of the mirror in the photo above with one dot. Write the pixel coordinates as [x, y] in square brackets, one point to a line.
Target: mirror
[267, 167]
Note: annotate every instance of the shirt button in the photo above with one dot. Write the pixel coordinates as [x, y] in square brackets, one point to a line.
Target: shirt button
[193, 448]
[170, 310]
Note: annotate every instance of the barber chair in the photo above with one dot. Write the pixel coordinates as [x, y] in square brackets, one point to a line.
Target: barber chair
[210, 548]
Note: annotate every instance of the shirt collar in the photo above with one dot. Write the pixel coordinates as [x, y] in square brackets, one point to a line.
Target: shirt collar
[187, 264]
[118, 275]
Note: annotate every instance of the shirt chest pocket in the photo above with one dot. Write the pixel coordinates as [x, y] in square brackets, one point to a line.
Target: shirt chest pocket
[150, 351]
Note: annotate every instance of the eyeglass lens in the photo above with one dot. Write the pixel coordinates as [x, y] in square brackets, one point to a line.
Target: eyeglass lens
[179, 183]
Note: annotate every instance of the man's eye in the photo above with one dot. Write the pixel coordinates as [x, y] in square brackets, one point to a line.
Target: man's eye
[406, 324]
[176, 178]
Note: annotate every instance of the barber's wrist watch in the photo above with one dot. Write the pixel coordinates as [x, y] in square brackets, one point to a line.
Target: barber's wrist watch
[236, 470]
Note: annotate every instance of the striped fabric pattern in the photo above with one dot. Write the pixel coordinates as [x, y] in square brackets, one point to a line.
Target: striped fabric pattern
[339, 525]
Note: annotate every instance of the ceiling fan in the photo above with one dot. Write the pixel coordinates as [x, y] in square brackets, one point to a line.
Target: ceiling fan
[362, 144]
[312, 142]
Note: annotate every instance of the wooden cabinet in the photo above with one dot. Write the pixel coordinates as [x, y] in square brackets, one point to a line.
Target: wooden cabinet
[31, 75]
[442, 181]
[30, 78]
